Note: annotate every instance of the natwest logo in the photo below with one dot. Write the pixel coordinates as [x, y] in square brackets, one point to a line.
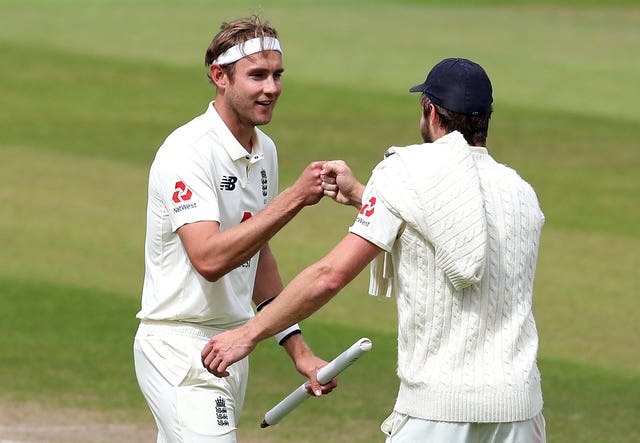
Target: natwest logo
[182, 192]
[368, 208]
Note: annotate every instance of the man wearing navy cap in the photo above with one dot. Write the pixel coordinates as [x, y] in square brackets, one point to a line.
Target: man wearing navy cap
[454, 236]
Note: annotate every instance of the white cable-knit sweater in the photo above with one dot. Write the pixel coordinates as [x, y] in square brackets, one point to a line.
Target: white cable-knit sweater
[463, 277]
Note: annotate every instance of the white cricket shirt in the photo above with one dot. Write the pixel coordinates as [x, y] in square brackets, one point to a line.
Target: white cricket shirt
[202, 173]
[375, 222]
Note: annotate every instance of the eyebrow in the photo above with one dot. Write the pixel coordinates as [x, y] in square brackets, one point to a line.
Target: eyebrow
[258, 70]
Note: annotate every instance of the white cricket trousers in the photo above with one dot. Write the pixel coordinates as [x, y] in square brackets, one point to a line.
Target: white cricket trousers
[401, 428]
[189, 404]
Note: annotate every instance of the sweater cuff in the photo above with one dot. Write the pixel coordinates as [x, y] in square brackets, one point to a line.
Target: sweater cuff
[461, 275]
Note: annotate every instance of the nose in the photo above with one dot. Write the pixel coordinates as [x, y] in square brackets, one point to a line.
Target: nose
[272, 86]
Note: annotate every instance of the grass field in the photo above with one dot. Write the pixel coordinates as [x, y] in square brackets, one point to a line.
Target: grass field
[89, 89]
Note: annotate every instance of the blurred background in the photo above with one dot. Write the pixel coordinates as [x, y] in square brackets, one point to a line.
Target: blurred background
[90, 89]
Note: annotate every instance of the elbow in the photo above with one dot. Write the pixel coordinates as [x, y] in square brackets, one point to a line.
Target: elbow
[212, 272]
[330, 281]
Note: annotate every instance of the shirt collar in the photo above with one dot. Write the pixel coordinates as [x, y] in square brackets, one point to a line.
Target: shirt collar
[230, 143]
[457, 135]
[478, 150]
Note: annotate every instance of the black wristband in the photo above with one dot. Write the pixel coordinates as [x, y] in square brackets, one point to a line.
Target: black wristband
[285, 335]
[264, 303]
[289, 335]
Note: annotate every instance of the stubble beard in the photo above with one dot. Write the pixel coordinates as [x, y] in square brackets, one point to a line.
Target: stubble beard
[425, 130]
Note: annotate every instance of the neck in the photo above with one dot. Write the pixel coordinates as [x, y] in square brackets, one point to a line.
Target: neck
[240, 130]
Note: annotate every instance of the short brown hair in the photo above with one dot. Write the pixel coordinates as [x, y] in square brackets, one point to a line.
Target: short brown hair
[233, 33]
[474, 128]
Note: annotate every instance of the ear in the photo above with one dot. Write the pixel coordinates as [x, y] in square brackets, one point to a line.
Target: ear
[218, 75]
[434, 118]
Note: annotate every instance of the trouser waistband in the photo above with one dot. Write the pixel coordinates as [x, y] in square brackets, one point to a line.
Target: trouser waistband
[180, 328]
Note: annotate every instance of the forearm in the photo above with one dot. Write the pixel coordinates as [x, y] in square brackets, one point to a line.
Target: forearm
[313, 287]
[296, 347]
[247, 238]
[306, 293]
[215, 252]
[303, 296]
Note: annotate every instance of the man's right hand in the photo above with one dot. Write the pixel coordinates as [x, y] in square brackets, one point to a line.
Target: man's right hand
[339, 183]
[309, 185]
[224, 349]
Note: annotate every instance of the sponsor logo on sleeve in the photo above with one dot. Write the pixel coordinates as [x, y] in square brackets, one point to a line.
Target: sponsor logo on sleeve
[366, 211]
[181, 196]
[182, 192]
[368, 208]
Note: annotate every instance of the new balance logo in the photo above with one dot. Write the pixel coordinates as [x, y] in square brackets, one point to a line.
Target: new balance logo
[228, 183]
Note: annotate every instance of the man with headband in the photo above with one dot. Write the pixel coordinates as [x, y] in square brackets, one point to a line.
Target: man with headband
[212, 208]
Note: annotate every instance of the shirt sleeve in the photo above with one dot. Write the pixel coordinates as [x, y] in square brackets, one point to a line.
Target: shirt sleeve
[375, 222]
[187, 191]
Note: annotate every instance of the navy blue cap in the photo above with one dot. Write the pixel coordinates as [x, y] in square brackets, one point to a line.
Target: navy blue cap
[459, 85]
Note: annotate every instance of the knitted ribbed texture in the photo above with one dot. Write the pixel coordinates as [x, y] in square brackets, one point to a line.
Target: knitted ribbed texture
[444, 186]
[466, 355]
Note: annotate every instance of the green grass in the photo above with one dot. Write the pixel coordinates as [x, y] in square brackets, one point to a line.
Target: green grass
[89, 89]
[68, 345]
[71, 347]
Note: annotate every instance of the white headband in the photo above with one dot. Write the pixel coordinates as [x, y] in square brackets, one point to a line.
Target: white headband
[235, 53]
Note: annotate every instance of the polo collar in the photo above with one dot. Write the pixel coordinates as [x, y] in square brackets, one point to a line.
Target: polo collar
[230, 143]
